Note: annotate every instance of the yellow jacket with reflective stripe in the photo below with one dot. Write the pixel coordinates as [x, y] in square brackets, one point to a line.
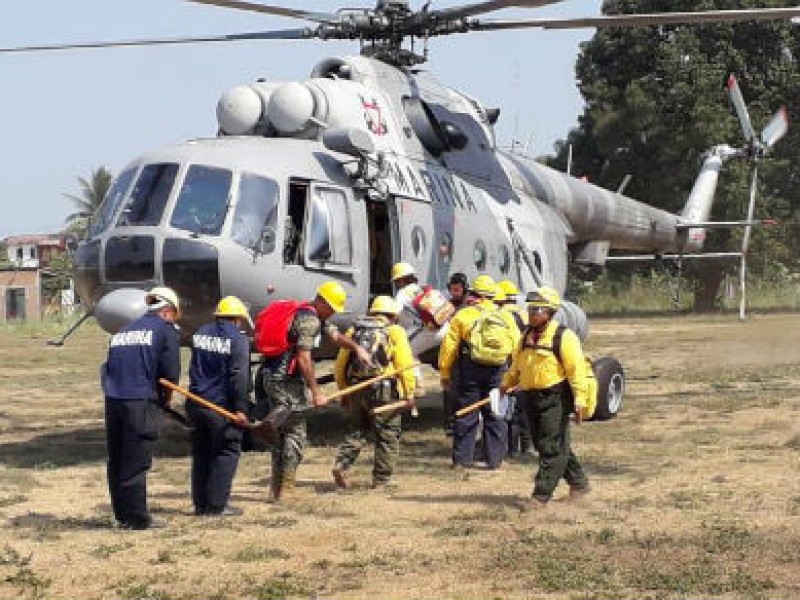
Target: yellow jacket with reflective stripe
[401, 356]
[539, 368]
[459, 330]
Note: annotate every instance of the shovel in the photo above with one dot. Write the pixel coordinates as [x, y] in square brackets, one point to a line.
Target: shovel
[476, 405]
[368, 382]
[388, 407]
[260, 429]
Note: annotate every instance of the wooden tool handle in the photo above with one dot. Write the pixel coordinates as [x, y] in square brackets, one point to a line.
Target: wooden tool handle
[365, 384]
[201, 401]
[388, 407]
[472, 407]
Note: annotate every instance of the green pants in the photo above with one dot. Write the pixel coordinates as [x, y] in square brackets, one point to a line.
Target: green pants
[361, 423]
[288, 453]
[548, 415]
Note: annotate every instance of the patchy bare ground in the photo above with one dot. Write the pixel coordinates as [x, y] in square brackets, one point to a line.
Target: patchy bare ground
[696, 491]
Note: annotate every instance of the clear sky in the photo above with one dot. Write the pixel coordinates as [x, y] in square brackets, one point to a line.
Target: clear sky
[67, 113]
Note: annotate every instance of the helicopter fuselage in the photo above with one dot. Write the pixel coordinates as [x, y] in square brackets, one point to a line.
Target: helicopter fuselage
[269, 211]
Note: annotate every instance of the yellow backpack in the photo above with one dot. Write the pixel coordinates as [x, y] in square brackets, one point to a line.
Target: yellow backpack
[490, 341]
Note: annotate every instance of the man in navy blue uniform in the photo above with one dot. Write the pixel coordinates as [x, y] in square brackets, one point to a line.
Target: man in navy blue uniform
[142, 352]
[220, 373]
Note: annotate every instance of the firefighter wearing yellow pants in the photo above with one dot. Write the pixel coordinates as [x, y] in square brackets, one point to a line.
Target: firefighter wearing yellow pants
[388, 346]
[549, 372]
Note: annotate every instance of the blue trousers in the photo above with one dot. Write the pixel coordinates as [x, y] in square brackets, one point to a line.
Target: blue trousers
[131, 432]
[474, 383]
[216, 447]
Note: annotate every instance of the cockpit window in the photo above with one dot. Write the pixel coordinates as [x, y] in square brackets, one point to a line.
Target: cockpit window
[149, 196]
[328, 228]
[256, 216]
[111, 203]
[203, 201]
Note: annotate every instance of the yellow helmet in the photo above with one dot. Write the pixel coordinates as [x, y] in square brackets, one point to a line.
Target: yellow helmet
[483, 285]
[384, 305]
[508, 287]
[163, 294]
[499, 294]
[544, 297]
[231, 306]
[333, 293]
[402, 269]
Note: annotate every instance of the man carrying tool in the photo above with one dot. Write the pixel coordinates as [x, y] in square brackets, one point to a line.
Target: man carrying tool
[389, 348]
[286, 333]
[142, 352]
[549, 372]
[219, 372]
[482, 338]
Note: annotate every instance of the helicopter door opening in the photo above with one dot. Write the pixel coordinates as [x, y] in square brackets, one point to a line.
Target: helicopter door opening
[382, 236]
[293, 226]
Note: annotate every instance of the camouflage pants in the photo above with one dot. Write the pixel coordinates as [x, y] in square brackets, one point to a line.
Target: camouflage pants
[287, 454]
[361, 423]
[548, 415]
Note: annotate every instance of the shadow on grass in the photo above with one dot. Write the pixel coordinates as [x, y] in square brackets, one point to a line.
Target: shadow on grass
[75, 447]
[493, 500]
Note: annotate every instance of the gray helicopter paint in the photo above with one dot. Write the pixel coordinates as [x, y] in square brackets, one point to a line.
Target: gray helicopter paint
[468, 195]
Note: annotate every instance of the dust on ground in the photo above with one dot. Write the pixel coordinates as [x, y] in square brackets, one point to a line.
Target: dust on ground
[695, 490]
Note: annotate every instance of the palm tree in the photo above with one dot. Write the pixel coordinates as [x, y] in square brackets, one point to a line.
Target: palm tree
[93, 190]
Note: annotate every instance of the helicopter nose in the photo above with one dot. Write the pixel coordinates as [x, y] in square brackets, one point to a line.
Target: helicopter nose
[119, 307]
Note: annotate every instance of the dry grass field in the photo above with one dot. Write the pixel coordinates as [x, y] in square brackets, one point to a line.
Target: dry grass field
[696, 491]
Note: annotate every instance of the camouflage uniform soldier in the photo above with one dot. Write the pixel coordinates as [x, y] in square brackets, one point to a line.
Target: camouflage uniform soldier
[286, 377]
[389, 347]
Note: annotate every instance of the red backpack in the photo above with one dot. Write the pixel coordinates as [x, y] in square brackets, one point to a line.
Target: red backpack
[272, 326]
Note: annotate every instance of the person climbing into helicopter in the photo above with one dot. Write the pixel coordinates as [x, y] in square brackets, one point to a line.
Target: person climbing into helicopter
[285, 334]
[141, 353]
[219, 372]
[407, 289]
[519, 432]
[389, 349]
[457, 288]
[479, 341]
[549, 372]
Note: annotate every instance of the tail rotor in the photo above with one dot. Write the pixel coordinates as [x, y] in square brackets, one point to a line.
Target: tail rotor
[757, 148]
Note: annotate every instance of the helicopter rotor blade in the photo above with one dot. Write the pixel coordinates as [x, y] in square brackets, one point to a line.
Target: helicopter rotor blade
[271, 10]
[735, 94]
[286, 34]
[676, 18]
[470, 10]
[776, 128]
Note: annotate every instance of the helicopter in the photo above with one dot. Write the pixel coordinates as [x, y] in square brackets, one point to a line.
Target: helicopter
[368, 161]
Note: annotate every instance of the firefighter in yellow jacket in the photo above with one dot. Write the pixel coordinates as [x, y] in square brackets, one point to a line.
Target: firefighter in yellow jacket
[388, 346]
[482, 338]
[549, 372]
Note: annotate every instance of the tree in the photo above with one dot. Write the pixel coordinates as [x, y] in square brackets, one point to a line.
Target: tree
[92, 193]
[654, 103]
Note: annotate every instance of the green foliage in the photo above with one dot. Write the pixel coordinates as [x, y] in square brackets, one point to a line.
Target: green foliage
[93, 190]
[61, 270]
[654, 103]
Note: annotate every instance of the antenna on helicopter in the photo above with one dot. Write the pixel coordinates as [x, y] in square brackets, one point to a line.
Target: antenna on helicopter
[757, 148]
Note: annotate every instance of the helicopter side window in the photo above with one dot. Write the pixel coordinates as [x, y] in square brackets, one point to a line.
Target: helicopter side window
[328, 230]
[114, 197]
[203, 201]
[149, 195]
[479, 255]
[256, 216]
[293, 226]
